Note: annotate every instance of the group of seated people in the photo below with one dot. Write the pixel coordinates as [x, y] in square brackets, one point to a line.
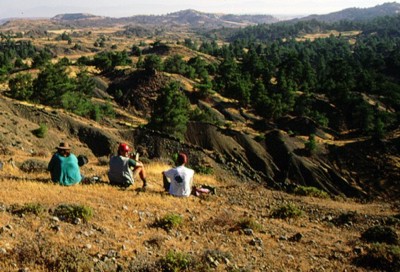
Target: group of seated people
[64, 170]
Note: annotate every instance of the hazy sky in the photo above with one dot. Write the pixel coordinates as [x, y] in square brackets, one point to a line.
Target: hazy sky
[122, 8]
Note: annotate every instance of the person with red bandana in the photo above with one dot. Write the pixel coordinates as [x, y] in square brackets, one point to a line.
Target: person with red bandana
[124, 169]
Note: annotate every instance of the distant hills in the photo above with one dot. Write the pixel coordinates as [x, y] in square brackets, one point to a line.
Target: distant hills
[189, 17]
[194, 19]
[357, 14]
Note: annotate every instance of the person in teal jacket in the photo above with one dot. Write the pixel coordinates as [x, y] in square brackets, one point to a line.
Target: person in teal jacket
[63, 166]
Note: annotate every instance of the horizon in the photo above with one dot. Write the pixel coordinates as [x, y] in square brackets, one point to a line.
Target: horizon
[125, 8]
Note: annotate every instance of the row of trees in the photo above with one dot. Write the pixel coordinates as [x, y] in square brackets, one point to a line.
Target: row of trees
[277, 77]
[54, 87]
[273, 77]
[281, 77]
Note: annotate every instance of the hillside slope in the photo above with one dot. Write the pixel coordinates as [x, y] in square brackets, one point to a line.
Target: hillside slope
[234, 230]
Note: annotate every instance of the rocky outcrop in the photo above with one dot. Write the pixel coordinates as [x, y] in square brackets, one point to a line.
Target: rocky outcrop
[277, 159]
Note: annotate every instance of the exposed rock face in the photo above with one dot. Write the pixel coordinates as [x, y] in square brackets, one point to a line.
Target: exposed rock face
[141, 91]
[354, 169]
[273, 162]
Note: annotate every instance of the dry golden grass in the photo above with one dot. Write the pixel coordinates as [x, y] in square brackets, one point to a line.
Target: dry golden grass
[122, 222]
[312, 37]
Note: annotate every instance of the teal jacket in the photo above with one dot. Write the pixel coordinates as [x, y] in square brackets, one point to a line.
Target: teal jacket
[64, 170]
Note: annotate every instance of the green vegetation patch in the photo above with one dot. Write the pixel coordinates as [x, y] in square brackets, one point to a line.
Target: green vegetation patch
[380, 234]
[49, 256]
[34, 166]
[310, 191]
[289, 210]
[41, 132]
[248, 223]
[203, 169]
[169, 221]
[28, 208]
[176, 261]
[72, 212]
[381, 256]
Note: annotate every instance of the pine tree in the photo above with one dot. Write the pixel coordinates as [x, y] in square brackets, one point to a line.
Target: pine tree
[171, 111]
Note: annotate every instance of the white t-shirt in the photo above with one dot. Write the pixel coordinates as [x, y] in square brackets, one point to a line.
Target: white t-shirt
[181, 179]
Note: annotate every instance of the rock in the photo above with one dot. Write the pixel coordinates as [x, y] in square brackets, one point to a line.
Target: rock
[256, 242]
[248, 231]
[358, 250]
[56, 228]
[112, 253]
[55, 219]
[283, 238]
[296, 238]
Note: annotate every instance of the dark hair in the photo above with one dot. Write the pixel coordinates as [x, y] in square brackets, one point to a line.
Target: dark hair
[182, 158]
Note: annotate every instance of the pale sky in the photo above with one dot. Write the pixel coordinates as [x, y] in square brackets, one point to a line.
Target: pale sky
[123, 8]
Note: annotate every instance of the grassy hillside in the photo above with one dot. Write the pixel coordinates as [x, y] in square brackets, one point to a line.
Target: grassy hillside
[231, 231]
[246, 226]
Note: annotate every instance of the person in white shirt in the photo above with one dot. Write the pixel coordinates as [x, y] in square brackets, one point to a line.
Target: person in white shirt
[178, 181]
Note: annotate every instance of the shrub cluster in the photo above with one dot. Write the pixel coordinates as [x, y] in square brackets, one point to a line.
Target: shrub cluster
[381, 256]
[169, 221]
[380, 234]
[66, 212]
[289, 210]
[28, 208]
[248, 223]
[384, 253]
[72, 212]
[310, 191]
[33, 165]
[41, 132]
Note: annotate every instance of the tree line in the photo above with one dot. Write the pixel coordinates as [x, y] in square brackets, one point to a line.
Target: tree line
[266, 68]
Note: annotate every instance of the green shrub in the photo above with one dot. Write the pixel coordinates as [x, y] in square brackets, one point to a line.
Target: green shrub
[381, 256]
[248, 223]
[289, 210]
[34, 166]
[39, 252]
[310, 191]
[21, 86]
[205, 115]
[169, 221]
[41, 132]
[391, 221]
[203, 169]
[380, 234]
[311, 144]
[72, 212]
[175, 261]
[259, 138]
[345, 218]
[28, 208]
[70, 259]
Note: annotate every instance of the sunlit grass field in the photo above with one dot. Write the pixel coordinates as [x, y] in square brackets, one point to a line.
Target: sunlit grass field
[123, 222]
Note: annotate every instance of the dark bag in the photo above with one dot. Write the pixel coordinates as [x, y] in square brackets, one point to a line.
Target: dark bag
[82, 160]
